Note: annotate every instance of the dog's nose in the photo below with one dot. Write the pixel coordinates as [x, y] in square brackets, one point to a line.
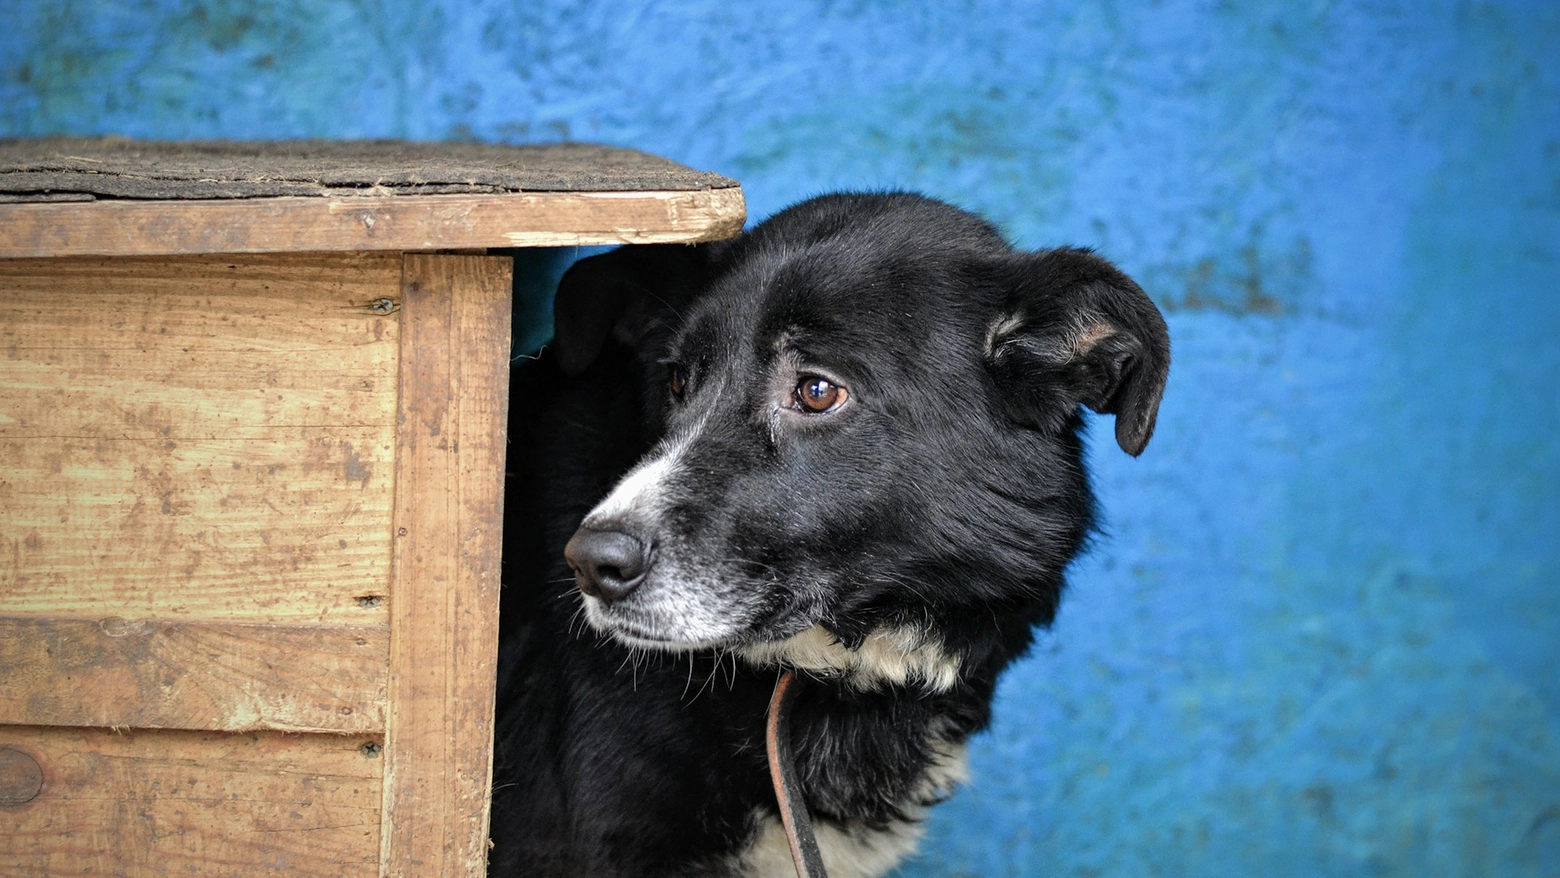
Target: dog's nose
[608, 564]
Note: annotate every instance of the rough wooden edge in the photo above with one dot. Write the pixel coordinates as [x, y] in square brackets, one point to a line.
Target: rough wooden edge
[444, 583]
[403, 222]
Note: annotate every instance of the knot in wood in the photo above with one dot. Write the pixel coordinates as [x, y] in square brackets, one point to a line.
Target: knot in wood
[21, 777]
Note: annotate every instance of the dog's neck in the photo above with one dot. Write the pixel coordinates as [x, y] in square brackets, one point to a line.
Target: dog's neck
[890, 656]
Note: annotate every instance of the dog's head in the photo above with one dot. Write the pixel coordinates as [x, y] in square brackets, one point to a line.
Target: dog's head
[868, 415]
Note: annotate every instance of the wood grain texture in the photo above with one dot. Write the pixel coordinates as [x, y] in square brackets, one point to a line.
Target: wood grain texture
[280, 529]
[198, 438]
[444, 593]
[192, 803]
[195, 347]
[430, 222]
[120, 673]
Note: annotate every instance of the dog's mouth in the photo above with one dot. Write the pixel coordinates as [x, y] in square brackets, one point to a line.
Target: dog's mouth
[635, 639]
[634, 628]
[673, 624]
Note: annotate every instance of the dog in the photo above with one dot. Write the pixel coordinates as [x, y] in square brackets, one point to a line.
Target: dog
[847, 443]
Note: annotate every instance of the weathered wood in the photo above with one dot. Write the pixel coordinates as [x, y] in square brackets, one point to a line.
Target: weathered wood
[265, 491]
[431, 222]
[76, 168]
[290, 527]
[198, 438]
[196, 347]
[122, 673]
[444, 591]
[193, 803]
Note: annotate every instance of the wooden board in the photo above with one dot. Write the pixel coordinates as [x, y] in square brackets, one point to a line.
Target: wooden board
[198, 438]
[262, 529]
[444, 593]
[197, 347]
[121, 673]
[429, 222]
[192, 803]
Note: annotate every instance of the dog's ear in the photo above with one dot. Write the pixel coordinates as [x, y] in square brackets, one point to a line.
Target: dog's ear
[622, 294]
[1074, 329]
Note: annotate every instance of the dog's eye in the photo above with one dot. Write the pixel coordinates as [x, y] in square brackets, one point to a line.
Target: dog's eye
[819, 395]
[678, 381]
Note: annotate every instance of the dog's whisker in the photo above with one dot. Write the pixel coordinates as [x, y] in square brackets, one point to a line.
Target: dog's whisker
[689, 683]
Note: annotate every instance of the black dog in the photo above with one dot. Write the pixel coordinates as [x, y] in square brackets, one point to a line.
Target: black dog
[846, 443]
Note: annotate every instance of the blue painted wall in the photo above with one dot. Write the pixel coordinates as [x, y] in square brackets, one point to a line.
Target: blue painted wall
[1323, 634]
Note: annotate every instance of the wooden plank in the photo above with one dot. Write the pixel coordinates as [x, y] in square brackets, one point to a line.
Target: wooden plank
[121, 673]
[444, 590]
[198, 438]
[428, 222]
[293, 526]
[193, 803]
[185, 348]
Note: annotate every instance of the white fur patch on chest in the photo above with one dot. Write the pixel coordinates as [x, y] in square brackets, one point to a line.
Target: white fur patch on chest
[856, 851]
[893, 655]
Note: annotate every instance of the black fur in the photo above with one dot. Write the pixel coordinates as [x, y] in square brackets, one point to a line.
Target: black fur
[944, 498]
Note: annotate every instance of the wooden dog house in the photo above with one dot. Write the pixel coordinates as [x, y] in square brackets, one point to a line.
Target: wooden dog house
[252, 408]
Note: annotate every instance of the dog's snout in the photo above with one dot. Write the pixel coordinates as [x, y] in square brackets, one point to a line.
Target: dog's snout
[608, 564]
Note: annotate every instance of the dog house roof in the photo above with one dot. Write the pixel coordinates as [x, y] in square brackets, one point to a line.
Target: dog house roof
[114, 196]
[83, 169]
